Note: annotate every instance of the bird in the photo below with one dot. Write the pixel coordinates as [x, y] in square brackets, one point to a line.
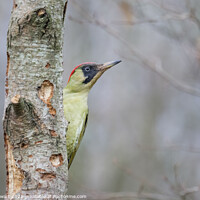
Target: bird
[75, 102]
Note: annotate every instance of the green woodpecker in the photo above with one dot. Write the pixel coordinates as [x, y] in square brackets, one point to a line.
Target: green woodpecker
[75, 96]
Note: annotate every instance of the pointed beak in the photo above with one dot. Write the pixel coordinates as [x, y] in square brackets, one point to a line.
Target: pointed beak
[108, 65]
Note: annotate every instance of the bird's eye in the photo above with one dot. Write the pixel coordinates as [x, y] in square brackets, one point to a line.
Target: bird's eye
[87, 69]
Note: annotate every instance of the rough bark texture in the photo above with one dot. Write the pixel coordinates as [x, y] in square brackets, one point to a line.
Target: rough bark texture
[34, 124]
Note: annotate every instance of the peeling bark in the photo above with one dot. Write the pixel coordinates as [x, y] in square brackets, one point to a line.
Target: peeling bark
[34, 125]
[45, 93]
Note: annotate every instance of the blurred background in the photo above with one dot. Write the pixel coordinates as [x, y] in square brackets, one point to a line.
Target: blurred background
[143, 134]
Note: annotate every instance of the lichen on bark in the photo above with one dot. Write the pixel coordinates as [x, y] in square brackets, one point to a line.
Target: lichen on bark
[34, 125]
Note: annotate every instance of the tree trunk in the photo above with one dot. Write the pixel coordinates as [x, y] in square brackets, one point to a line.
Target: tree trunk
[34, 125]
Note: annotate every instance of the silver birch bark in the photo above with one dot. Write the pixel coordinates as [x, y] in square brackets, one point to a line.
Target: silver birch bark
[34, 125]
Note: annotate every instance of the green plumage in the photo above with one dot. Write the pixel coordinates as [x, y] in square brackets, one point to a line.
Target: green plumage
[76, 113]
[75, 97]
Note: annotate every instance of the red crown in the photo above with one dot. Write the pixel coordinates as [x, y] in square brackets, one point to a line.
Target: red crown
[78, 67]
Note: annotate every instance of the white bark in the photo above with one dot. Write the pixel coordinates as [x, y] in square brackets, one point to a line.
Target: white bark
[34, 124]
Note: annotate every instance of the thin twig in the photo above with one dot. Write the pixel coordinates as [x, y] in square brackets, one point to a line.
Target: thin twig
[188, 191]
[136, 55]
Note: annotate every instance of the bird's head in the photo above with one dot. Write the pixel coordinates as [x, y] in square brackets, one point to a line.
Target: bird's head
[85, 75]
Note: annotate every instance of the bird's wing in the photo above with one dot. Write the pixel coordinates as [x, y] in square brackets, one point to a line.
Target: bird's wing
[81, 131]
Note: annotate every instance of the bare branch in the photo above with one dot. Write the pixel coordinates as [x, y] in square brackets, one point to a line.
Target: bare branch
[188, 191]
[167, 17]
[191, 13]
[157, 68]
[137, 56]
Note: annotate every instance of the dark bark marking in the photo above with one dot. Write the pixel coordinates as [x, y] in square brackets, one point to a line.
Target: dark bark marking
[64, 11]
[48, 176]
[86, 120]
[20, 111]
[47, 65]
[52, 110]
[41, 170]
[56, 160]
[24, 146]
[39, 185]
[18, 105]
[39, 142]
[53, 133]
[34, 24]
[14, 4]
[7, 70]
[7, 162]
